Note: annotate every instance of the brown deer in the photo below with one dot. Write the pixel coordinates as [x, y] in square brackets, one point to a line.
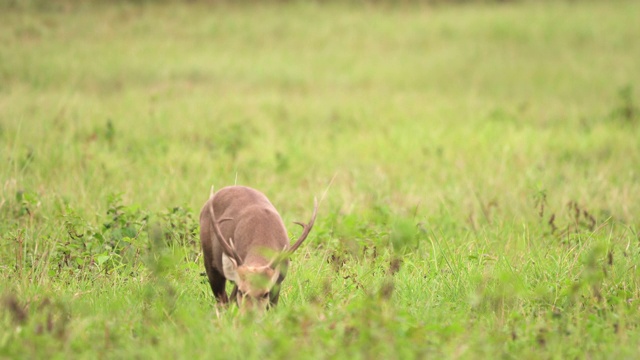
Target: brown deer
[244, 240]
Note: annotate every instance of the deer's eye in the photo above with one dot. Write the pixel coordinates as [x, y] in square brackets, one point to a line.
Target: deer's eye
[265, 295]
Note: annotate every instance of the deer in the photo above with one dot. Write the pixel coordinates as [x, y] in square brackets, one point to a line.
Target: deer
[244, 240]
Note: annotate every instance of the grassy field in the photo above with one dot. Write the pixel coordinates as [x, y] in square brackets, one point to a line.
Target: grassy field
[486, 166]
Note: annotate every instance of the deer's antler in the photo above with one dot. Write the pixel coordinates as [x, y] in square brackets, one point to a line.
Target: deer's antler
[227, 247]
[306, 228]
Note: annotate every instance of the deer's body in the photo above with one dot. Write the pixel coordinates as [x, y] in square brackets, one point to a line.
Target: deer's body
[239, 241]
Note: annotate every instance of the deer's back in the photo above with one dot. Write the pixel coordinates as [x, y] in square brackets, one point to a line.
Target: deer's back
[248, 218]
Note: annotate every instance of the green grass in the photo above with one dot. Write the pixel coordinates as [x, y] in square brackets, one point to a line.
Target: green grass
[485, 201]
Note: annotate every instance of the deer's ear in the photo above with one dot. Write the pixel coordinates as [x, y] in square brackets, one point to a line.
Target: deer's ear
[230, 268]
[283, 267]
[274, 279]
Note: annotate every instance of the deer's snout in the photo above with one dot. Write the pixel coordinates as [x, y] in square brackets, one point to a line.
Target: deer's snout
[248, 303]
